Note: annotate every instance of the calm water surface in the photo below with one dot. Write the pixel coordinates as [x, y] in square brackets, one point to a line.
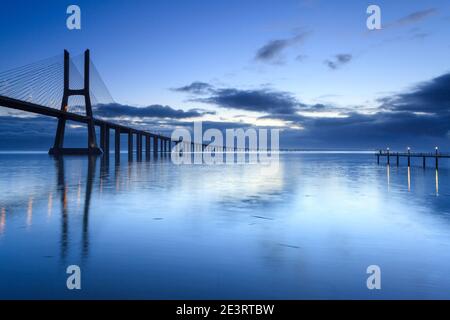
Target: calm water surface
[157, 230]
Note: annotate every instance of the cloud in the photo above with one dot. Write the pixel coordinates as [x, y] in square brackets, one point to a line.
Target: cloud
[428, 97]
[260, 100]
[338, 60]
[415, 17]
[154, 111]
[411, 18]
[271, 51]
[420, 118]
[263, 100]
[301, 57]
[195, 88]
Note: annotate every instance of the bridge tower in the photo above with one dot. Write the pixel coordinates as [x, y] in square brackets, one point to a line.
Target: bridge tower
[58, 147]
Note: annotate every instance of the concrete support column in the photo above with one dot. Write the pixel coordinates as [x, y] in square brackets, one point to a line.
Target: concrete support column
[155, 145]
[117, 143]
[138, 146]
[130, 145]
[102, 137]
[147, 147]
[106, 150]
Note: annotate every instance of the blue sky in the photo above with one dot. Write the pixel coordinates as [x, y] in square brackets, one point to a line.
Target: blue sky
[252, 55]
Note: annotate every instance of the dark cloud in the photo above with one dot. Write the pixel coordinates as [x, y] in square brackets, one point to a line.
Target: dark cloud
[195, 88]
[154, 111]
[415, 17]
[420, 35]
[272, 50]
[338, 60]
[429, 97]
[419, 118]
[261, 100]
[301, 57]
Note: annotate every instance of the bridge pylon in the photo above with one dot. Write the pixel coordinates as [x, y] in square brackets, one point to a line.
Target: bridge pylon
[58, 147]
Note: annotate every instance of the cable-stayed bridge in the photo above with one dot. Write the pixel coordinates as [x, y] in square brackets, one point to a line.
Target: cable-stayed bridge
[67, 89]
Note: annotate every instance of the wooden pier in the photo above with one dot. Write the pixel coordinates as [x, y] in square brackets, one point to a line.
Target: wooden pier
[436, 155]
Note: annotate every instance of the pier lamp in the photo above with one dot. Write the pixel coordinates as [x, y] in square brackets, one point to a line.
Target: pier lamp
[436, 148]
[409, 149]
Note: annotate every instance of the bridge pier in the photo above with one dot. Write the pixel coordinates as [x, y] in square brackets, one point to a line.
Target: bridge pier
[130, 146]
[155, 146]
[58, 146]
[106, 150]
[147, 147]
[423, 162]
[117, 144]
[398, 159]
[138, 146]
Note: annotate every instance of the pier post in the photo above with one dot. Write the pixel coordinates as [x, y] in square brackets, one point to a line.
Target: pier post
[161, 142]
[437, 159]
[409, 156]
[398, 159]
[423, 160]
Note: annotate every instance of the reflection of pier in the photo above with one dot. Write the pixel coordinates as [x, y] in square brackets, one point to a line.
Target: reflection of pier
[388, 174]
[62, 189]
[408, 155]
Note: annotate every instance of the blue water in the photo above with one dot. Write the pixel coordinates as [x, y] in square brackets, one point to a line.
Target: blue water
[157, 230]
